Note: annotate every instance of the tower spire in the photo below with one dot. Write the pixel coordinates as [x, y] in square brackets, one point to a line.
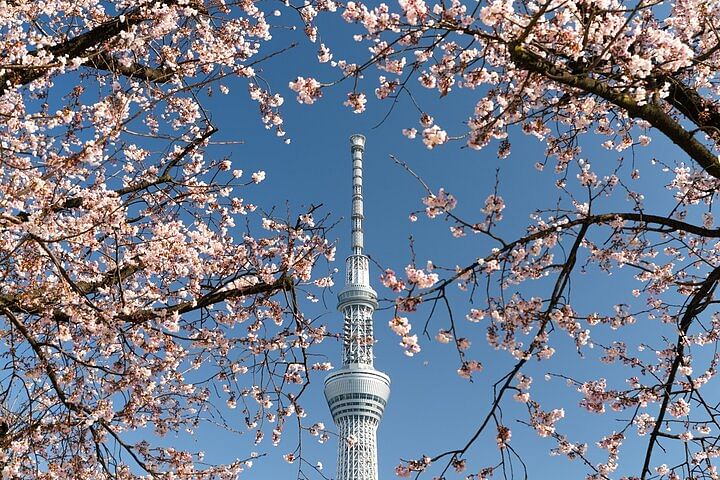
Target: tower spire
[357, 393]
[357, 149]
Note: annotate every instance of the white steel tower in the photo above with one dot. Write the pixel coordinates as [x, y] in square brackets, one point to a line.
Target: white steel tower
[357, 393]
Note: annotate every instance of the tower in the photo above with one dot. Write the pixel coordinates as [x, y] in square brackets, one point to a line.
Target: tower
[356, 392]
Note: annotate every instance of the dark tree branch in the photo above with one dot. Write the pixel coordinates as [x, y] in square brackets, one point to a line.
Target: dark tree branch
[13, 304]
[105, 61]
[641, 218]
[85, 45]
[560, 285]
[649, 112]
[71, 405]
[283, 283]
[699, 301]
[165, 176]
[118, 275]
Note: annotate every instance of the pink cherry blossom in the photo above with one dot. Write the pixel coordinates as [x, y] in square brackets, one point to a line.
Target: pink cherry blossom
[308, 89]
[433, 136]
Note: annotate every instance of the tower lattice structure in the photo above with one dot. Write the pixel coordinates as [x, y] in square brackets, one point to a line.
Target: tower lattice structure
[357, 393]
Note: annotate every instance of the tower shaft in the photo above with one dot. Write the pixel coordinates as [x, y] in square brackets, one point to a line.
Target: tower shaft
[357, 393]
[358, 462]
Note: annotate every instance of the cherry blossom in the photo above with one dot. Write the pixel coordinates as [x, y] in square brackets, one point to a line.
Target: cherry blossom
[258, 176]
[356, 101]
[418, 277]
[433, 136]
[307, 89]
[105, 284]
[132, 306]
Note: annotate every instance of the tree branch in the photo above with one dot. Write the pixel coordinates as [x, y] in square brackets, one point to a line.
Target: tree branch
[698, 303]
[76, 202]
[105, 61]
[165, 176]
[649, 112]
[283, 283]
[80, 46]
[641, 218]
[560, 285]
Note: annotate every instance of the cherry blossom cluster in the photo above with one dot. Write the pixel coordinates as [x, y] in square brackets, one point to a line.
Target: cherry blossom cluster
[402, 327]
[438, 204]
[132, 305]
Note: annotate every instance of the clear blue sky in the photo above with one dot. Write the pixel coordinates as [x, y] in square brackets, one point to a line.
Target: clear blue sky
[431, 408]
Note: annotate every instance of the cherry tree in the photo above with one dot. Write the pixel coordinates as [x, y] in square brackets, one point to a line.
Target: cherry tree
[124, 262]
[571, 74]
[123, 272]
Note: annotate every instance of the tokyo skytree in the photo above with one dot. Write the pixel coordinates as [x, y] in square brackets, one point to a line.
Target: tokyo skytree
[357, 393]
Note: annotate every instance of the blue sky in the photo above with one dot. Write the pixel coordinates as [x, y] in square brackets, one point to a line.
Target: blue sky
[431, 408]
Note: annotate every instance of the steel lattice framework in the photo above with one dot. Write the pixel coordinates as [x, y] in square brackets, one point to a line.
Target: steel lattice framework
[357, 393]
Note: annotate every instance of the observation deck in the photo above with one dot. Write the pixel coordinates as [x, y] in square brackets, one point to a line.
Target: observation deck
[357, 390]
